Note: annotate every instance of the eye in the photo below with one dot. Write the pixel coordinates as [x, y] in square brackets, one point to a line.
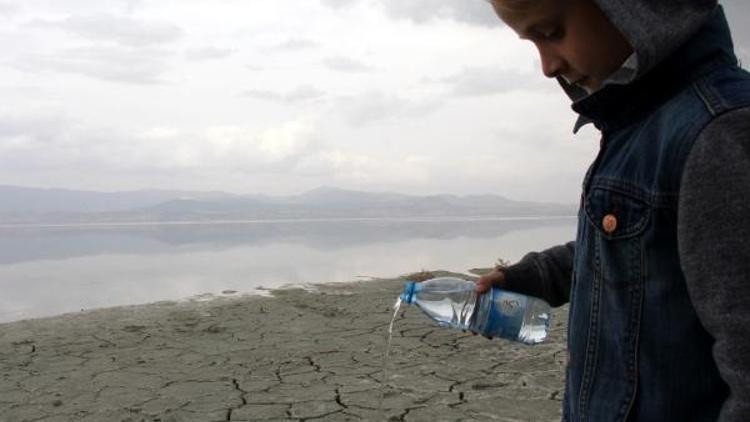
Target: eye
[552, 34]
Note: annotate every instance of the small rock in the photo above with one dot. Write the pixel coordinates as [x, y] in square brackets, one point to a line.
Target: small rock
[57, 403]
[215, 329]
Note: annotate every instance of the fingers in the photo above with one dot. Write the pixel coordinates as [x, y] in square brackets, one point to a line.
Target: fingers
[487, 281]
[482, 287]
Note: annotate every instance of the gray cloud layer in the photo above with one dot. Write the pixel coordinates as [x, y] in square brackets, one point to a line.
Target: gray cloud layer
[374, 107]
[119, 29]
[112, 63]
[295, 44]
[346, 64]
[301, 93]
[7, 9]
[118, 48]
[208, 53]
[441, 73]
[474, 12]
[483, 81]
[738, 14]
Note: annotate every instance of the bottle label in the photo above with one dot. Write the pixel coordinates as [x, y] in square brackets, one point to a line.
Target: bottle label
[505, 315]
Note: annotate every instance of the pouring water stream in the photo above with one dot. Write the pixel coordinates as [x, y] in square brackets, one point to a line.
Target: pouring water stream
[384, 382]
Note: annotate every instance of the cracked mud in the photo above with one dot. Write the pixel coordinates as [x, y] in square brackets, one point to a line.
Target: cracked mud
[298, 356]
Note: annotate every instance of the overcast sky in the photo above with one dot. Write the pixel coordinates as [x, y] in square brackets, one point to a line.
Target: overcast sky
[251, 96]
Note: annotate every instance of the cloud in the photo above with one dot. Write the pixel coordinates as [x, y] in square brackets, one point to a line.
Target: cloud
[473, 12]
[375, 106]
[738, 15]
[18, 132]
[301, 93]
[338, 4]
[119, 29]
[28, 142]
[113, 63]
[132, 5]
[263, 94]
[208, 53]
[7, 10]
[304, 92]
[483, 81]
[248, 149]
[743, 56]
[57, 143]
[121, 135]
[295, 44]
[349, 168]
[346, 64]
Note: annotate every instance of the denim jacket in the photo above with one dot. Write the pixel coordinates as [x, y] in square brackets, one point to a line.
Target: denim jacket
[637, 349]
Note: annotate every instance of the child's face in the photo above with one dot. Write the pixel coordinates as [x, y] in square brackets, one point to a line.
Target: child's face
[575, 39]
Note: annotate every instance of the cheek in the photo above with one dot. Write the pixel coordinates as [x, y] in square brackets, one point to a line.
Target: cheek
[589, 58]
[580, 61]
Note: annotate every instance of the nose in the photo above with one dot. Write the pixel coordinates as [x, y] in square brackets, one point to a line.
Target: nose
[552, 64]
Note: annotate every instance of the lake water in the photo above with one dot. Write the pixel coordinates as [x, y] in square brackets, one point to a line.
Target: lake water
[52, 270]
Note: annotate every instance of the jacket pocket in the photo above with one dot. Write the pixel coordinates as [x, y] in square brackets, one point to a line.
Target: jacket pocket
[616, 215]
[618, 221]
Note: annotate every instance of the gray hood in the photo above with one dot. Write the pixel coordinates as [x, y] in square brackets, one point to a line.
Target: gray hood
[654, 28]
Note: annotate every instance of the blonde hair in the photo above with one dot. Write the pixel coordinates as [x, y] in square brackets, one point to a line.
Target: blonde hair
[513, 5]
[510, 8]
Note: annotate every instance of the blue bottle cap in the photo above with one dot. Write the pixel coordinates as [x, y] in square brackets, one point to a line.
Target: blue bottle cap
[409, 289]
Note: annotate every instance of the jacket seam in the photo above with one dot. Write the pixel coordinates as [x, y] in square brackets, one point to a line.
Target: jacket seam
[706, 96]
[651, 198]
[592, 345]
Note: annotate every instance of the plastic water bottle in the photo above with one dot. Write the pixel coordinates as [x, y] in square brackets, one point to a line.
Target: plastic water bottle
[452, 302]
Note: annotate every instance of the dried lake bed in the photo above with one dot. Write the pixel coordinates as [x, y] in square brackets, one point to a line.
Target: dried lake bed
[298, 355]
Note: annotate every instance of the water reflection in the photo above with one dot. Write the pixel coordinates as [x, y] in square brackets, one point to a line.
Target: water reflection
[51, 270]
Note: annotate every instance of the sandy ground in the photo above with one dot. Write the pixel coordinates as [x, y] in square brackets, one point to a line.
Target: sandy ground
[297, 356]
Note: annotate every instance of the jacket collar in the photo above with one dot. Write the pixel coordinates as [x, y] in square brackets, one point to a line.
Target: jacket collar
[615, 106]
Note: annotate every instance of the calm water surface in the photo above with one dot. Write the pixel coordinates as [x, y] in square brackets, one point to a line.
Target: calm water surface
[52, 270]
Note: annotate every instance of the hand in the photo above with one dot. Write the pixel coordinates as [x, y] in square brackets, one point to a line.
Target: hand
[488, 281]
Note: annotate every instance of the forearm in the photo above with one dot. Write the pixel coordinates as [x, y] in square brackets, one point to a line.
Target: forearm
[545, 274]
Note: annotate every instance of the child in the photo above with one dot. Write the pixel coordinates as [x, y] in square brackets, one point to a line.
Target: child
[658, 278]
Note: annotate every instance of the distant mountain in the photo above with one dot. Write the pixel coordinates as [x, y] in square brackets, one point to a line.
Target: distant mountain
[36, 200]
[31, 205]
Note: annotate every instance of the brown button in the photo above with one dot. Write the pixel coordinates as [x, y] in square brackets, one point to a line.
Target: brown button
[609, 223]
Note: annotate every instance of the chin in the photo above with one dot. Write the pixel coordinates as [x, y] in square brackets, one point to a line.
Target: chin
[589, 86]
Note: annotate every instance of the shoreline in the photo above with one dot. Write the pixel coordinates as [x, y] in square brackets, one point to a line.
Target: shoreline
[296, 355]
[151, 223]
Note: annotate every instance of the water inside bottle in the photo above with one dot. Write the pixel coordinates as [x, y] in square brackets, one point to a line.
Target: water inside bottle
[384, 382]
[452, 307]
[536, 323]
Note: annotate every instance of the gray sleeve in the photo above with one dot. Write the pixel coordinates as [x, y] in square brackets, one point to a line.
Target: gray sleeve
[714, 236]
[543, 274]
